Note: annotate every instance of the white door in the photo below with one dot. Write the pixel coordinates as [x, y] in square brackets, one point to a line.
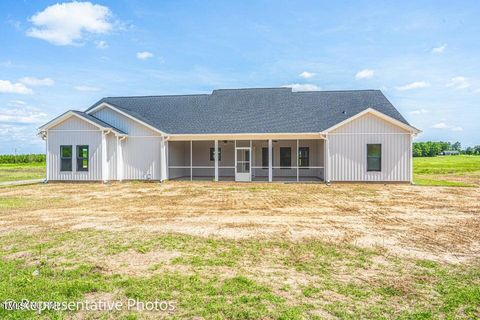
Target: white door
[242, 164]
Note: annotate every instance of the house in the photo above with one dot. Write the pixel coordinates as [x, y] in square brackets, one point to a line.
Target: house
[449, 153]
[270, 134]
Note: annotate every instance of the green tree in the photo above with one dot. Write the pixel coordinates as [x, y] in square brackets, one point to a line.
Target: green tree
[457, 146]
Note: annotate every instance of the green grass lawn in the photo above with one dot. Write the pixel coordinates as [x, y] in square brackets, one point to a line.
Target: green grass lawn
[458, 170]
[227, 279]
[21, 171]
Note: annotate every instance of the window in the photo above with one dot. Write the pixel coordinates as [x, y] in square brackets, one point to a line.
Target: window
[285, 157]
[82, 158]
[212, 154]
[374, 157]
[265, 158]
[65, 158]
[303, 156]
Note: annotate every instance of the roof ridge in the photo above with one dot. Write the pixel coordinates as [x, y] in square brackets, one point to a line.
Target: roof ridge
[156, 96]
[346, 90]
[251, 88]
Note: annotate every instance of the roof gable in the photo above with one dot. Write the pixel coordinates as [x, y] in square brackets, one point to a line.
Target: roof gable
[91, 120]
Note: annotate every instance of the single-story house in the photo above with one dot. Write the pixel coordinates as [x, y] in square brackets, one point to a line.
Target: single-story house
[270, 134]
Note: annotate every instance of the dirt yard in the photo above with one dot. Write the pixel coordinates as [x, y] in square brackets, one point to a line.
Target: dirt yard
[437, 223]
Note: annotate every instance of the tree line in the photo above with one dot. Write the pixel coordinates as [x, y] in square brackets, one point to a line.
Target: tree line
[433, 148]
[22, 158]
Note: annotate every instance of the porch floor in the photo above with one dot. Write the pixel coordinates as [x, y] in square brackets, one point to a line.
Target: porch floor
[254, 179]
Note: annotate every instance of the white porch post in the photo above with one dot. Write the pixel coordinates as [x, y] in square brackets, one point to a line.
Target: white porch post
[191, 162]
[216, 160]
[270, 160]
[163, 159]
[250, 161]
[298, 177]
[119, 159]
[411, 158]
[47, 157]
[327, 162]
[104, 157]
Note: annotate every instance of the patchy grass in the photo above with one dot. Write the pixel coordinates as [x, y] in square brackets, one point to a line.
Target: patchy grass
[450, 171]
[21, 171]
[231, 279]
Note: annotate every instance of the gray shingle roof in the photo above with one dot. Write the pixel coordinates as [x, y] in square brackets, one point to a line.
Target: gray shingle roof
[270, 110]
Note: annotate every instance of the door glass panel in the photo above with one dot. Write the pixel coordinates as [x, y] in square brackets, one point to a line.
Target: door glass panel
[243, 161]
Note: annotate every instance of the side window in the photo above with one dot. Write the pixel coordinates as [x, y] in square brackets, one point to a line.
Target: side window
[303, 156]
[212, 154]
[285, 157]
[374, 157]
[82, 158]
[65, 158]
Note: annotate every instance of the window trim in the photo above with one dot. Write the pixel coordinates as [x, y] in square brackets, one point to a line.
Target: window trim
[379, 157]
[212, 154]
[307, 158]
[66, 158]
[289, 166]
[80, 159]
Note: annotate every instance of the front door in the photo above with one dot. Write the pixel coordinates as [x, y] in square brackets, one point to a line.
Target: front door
[242, 164]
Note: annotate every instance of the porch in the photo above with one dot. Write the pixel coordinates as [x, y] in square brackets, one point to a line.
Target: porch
[283, 160]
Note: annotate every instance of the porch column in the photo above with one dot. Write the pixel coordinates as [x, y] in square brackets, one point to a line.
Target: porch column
[327, 161]
[119, 159]
[163, 159]
[104, 157]
[47, 156]
[298, 177]
[216, 160]
[270, 160]
[191, 162]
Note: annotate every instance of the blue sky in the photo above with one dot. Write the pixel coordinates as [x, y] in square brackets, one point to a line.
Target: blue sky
[424, 55]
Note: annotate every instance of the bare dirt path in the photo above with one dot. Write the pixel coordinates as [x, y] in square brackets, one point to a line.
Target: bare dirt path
[440, 223]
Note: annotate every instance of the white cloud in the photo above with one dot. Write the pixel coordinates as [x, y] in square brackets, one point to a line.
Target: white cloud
[439, 49]
[364, 74]
[144, 55]
[67, 23]
[440, 125]
[16, 103]
[306, 75]
[86, 88]
[9, 87]
[302, 87]
[101, 44]
[32, 81]
[443, 125]
[414, 85]
[459, 83]
[417, 112]
[22, 115]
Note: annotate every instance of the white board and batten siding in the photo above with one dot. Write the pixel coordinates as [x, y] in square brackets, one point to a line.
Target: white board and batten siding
[74, 132]
[348, 151]
[140, 150]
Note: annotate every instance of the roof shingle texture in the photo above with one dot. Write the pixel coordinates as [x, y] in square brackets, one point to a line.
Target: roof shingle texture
[271, 110]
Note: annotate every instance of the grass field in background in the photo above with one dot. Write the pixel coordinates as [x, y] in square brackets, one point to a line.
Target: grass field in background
[455, 171]
[460, 171]
[21, 171]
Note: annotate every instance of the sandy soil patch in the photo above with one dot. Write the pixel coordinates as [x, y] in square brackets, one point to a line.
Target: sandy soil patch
[438, 223]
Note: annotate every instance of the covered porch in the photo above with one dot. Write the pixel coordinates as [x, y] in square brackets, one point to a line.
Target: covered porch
[275, 159]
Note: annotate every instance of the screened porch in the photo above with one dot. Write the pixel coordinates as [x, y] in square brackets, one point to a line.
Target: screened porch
[247, 160]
